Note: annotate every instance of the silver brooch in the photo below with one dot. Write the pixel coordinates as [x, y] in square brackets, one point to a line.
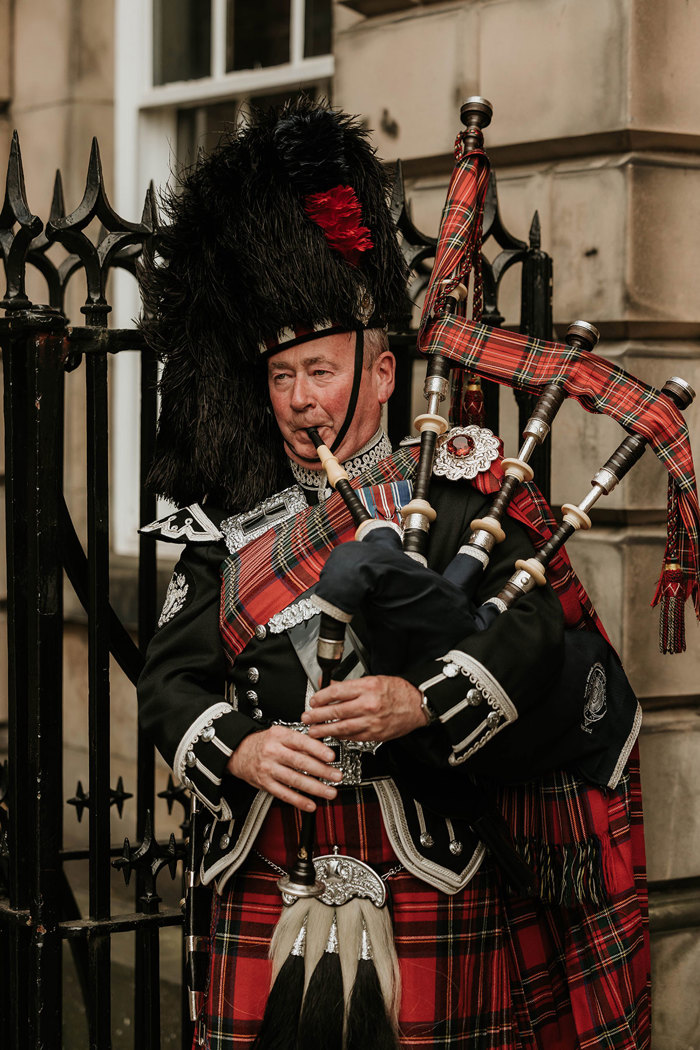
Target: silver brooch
[174, 598]
[242, 529]
[343, 879]
[465, 452]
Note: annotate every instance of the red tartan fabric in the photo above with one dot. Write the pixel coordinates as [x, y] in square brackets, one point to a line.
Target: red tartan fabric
[286, 560]
[459, 237]
[600, 386]
[525, 363]
[271, 572]
[482, 969]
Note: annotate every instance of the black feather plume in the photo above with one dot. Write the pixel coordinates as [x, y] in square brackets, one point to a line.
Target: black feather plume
[239, 261]
[310, 146]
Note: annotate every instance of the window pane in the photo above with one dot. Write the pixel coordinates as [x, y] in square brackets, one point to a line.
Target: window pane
[317, 28]
[181, 40]
[202, 127]
[257, 33]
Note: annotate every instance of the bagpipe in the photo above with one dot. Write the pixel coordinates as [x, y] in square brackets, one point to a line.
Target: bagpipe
[408, 607]
[384, 575]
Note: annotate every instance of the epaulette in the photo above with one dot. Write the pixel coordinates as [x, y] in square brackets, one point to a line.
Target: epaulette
[464, 452]
[186, 525]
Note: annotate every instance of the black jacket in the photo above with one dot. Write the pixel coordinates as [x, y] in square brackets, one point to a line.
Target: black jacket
[510, 706]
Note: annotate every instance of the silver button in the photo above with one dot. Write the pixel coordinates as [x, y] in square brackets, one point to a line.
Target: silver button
[206, 846]
[474, 697]
[456, 847]
[253, 674]
[261, 631]
[427, 840]
[256, 713]
[208, 733]
[224, 841]
[191, 759]
[450, 670]
[493, 719]
[252, 696]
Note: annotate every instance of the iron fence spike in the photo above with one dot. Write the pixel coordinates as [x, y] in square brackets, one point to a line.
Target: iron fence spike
[95, 162]
[535, 236]
[81, 801]
[58, 206]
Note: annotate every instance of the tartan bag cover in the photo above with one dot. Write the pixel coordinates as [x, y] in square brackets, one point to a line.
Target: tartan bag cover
[527, 363]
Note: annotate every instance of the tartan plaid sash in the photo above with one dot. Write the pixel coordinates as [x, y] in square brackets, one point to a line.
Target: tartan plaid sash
[526, 363]
[274, 570]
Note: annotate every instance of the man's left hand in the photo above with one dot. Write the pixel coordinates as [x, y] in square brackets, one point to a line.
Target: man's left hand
[373, 708]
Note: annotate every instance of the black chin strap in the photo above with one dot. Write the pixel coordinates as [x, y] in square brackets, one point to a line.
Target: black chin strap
[355, 392]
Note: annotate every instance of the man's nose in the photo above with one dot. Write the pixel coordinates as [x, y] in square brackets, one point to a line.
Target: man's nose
[302, 393]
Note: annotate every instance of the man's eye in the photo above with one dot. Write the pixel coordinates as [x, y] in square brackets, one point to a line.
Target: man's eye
[321, 372]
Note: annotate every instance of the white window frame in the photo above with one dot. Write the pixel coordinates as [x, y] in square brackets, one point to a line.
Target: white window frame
[145, 135]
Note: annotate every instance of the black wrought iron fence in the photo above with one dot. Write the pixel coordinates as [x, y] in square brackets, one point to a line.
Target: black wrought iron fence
[38, 907]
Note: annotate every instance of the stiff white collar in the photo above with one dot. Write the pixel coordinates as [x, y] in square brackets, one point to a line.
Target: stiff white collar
[377, 448]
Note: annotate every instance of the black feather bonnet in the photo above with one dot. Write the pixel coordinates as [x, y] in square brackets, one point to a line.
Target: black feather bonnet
[284, 226]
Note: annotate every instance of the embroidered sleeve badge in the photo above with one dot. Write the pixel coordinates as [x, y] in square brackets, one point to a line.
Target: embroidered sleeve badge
[175, 597]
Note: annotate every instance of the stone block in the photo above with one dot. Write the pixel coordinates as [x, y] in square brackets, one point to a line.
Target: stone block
[67, 53]
[42, 44]
[620, 230]
[675, 964]
[414, 113]
[670, 744]
[619, 568]
[552, 68]
[92, 51]
[663, 249]
[664, 72]
[5, 47]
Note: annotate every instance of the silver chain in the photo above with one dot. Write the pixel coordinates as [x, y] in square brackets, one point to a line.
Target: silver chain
[280, 871]
[270, 863]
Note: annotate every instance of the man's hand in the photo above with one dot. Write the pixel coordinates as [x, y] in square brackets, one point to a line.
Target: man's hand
[285, 763]
[373, 708]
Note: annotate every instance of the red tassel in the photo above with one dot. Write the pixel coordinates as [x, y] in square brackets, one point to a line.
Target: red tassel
[672, 593]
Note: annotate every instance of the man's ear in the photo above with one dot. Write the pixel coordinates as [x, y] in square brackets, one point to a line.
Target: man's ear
[385, 373]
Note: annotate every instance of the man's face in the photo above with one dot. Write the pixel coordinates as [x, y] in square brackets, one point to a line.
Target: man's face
[310, 386]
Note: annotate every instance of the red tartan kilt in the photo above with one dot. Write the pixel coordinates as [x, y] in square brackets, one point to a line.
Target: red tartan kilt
[481, 969]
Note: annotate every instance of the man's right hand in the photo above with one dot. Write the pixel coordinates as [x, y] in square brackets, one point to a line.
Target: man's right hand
[286, 763]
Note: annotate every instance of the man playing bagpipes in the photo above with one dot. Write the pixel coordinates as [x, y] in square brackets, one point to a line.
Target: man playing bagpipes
[478, 875]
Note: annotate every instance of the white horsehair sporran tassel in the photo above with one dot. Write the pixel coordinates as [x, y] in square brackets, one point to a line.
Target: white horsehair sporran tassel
[351, 984]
